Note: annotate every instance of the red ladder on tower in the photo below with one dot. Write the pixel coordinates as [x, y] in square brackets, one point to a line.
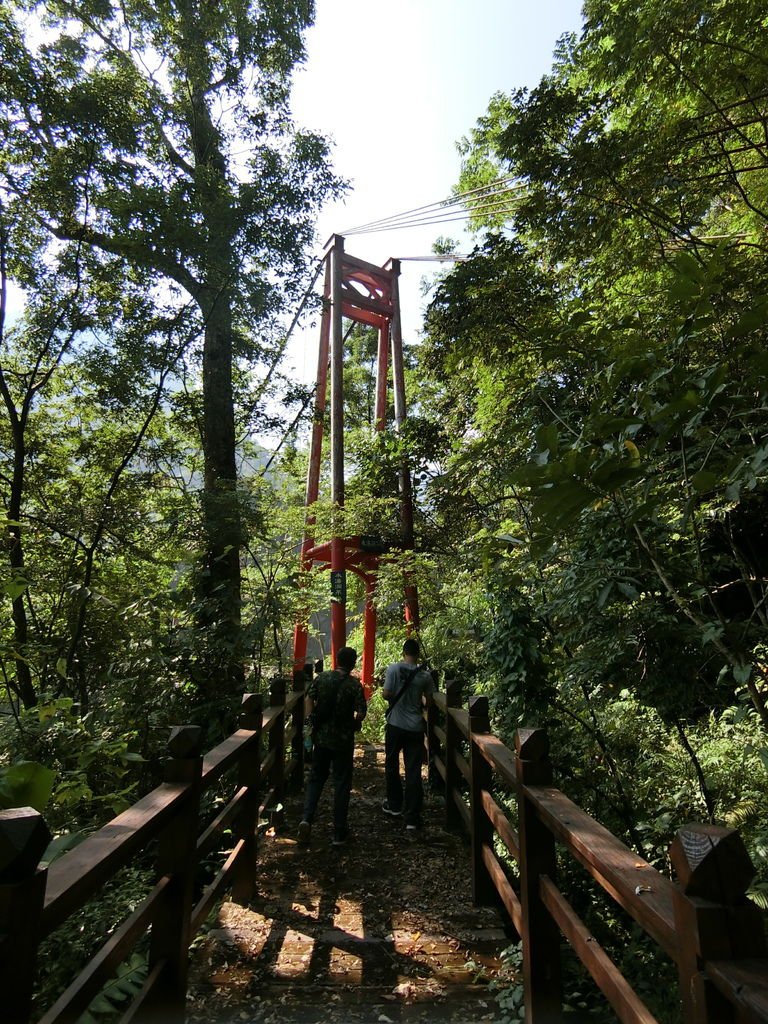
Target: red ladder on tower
[365, 294]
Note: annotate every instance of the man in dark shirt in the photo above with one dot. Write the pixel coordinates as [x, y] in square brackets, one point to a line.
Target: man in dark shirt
[336, 701]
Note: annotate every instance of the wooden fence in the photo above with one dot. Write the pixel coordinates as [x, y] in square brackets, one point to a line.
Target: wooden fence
[705, 923]
[35, 900]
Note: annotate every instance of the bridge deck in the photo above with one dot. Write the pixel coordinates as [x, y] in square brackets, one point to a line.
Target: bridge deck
[381, 930]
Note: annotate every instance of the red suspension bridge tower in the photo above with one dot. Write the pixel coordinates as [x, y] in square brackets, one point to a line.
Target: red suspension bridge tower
[365, 294]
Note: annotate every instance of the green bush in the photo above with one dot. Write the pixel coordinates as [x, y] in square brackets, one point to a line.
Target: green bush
[373, 726]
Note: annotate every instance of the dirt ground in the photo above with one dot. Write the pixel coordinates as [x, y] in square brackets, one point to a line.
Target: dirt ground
[381, 930]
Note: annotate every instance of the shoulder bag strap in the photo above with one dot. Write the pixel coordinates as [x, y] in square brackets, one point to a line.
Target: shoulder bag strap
[410, 674]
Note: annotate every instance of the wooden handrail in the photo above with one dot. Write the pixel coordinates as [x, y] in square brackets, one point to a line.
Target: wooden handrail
[76, 876]
[271, 716]
[74, 1001]
[459, 715]
[219, 760]
[207, 840]
[501, 824]
[461, 718]
[744, 983]
[644, 893]
[610, 980]
[498, 756]
[40, 901]
[676, 917]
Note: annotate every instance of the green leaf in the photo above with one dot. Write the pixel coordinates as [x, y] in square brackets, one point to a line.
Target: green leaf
[14, 587]
[26, 784]
[602, 597]
[689, 268]
[634, 452]
[62, 844]
[101, 1005]
[741, 674]
[614, 475]
[547, 439]
[561, 504]
[704, 480]
[748, 322]
[711, 632]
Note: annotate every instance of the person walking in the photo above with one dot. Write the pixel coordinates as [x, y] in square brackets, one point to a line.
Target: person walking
[408, 688]
[336, 702]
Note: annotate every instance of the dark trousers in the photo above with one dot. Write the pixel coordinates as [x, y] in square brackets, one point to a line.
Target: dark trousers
[323, 758]
[410, 799]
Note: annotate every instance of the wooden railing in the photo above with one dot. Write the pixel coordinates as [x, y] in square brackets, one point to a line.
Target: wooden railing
[34, 901]
[705, 923]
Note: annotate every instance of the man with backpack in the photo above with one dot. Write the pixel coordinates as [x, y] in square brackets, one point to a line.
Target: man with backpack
[408, 687]
[335, 704]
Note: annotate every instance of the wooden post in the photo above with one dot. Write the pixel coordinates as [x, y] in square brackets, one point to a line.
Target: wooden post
[296, 781]
[24, 837]
[541, 938]
[277, 743]
[177, 858]
[434, 782]
[713, 918]
[483, 890]
[248, 774]
[453, 698]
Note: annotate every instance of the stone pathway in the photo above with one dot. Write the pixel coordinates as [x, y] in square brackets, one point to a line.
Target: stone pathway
[381, 930]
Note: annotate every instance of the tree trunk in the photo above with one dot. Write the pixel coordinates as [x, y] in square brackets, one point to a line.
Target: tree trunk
[220, 595]
[24, 686]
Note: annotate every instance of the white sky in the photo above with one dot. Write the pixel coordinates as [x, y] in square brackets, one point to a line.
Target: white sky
[396, 85]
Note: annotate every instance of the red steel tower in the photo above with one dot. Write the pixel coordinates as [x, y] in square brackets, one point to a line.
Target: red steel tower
[365, 294]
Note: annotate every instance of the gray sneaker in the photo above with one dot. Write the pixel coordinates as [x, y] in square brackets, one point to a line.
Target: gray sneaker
[305, 831]
[388, 810]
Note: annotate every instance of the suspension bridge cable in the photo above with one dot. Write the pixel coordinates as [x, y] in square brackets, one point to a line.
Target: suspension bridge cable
[287, 432]
[442, 258]
[504, 205]
[430, 217]
[438, 214]
[284, 344]
[498, 187]
[300, 413]
[441, 203]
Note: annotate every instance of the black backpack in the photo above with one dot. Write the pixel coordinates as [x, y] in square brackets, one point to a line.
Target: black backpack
[325, 710]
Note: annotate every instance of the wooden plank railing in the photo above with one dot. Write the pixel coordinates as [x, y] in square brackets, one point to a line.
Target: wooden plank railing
[34, 901]
[704, 922]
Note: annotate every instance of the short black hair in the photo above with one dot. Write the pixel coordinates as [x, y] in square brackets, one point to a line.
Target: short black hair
[411, 647]
[346, 658]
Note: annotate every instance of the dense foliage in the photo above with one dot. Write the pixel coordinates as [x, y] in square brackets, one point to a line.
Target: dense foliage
[599, 375]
